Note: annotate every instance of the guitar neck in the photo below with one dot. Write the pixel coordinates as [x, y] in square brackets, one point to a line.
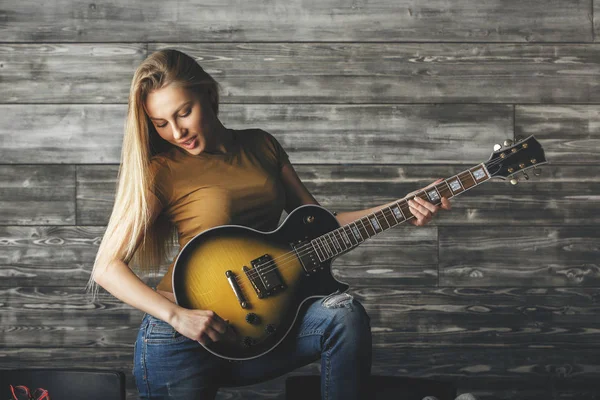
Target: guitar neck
[350, 236]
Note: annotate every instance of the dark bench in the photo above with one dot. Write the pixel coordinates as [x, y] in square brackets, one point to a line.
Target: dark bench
[302, 387]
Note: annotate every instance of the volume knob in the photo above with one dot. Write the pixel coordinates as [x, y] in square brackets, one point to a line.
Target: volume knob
[252, 318]
[270, 329]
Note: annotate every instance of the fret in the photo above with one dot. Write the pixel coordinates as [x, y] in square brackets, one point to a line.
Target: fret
[393, 216]
[446, 191]
[397, 211]
[350, 235]
[340, 238]
[433, 195]
[356, 232]
[479, 173]
[364, 227]
[326, 247]
[345, 237]
[336, 246]
[374, 223]
[405, 210]
[382, 220]
[467, 180]
[456, 185]
[318, 250]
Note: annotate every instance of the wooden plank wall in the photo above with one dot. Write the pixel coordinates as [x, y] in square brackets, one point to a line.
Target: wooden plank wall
[372, 100]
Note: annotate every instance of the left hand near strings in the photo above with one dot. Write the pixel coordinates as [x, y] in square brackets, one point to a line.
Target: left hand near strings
[424, 210]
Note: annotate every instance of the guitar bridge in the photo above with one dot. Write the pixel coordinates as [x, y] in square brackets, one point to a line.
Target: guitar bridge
[265, 276]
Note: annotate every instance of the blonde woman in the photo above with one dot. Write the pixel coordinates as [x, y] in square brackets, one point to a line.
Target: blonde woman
[183, 172]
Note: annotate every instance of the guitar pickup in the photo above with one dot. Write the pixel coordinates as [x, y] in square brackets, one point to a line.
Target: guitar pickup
[265, 276]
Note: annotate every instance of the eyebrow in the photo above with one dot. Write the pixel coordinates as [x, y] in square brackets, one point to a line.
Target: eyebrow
[176, 111]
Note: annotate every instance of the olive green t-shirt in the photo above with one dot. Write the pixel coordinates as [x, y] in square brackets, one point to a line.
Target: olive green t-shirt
[240, 187]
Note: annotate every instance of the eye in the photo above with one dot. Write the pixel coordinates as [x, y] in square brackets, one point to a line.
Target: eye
[184, 115]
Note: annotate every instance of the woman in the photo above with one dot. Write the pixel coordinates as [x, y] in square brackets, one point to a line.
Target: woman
[183, 171]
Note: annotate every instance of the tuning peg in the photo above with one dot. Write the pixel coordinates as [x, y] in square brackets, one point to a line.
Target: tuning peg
[537, 171]
[525, 175]
[497, 147]
[508, 142]
[514, 181]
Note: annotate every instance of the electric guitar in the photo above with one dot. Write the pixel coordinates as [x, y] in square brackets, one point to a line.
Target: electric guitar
[259, 280]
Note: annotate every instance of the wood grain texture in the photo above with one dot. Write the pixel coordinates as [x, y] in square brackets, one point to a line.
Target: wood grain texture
[61, 134]
[37, 195]
[74, 73]
[365, 134]
[519, 256]
[407, 73]
[570, 133]
[319, 72]
[296, 20]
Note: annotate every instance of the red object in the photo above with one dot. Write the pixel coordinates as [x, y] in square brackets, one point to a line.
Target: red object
[21, 392]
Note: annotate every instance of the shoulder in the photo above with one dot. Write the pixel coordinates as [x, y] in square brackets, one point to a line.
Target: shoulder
[160, 164]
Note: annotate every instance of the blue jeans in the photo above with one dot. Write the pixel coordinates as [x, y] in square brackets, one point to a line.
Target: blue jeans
[168, 365]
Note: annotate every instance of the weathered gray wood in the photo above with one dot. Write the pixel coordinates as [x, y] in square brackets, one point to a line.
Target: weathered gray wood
[401, 317]
[27, 245]
[570, 133]
[332, 20]
[519, 256]
[74, 73]
[61, 134]
[563, 194]
[96, 190]
[323, 72]
[37, 195]
[369, 134]
[409, 73]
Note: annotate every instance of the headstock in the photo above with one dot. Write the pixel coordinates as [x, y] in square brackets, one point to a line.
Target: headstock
[524, 154]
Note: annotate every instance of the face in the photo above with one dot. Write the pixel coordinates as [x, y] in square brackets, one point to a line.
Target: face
[181, 118]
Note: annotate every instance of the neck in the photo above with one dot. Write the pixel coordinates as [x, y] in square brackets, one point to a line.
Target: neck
[351, 235]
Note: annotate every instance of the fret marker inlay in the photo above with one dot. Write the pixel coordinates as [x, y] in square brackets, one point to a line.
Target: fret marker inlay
[479, 174]
[375, 224]
[433, 195]
[455, 185]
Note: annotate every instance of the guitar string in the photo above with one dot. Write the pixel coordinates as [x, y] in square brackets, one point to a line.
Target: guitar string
[293, 255]
[253, 274]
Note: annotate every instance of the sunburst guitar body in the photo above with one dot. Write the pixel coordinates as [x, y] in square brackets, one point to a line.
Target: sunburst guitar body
[256, 280]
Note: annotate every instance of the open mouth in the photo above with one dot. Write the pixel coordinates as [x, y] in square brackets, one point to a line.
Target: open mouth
[190, 144]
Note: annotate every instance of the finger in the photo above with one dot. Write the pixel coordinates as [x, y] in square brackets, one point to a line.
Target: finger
[419, 216]
[423, 206]
[428, 205]
[213, 334]
[446, 204]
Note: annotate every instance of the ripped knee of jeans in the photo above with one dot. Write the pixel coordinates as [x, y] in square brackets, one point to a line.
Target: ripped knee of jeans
[337, 300]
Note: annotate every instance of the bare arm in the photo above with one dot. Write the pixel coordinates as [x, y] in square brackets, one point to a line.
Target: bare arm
[119, 280]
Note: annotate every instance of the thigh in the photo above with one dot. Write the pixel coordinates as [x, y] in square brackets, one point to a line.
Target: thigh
[168, 365]
[303, 344]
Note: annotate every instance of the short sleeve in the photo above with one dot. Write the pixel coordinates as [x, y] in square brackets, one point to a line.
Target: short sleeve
[277, 150]
[159, 178]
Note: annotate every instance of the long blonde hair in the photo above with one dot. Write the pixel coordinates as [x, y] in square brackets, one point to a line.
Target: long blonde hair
[140, 143]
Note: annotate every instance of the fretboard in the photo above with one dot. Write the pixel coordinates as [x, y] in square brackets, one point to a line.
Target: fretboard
[349, 236]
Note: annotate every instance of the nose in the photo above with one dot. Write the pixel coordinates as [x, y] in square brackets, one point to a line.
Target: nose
[177, 132]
